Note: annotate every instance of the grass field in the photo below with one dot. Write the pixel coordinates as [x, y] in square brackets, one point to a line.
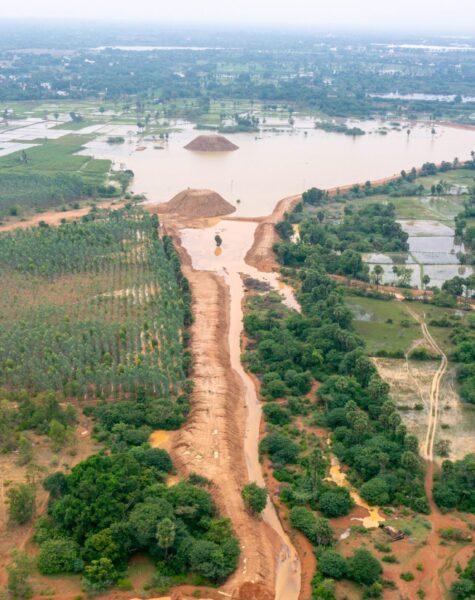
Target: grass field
[385, 325]
[49, 175]
[56, 155]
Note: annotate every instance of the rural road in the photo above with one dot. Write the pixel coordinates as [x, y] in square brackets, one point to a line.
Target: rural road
[434, 396]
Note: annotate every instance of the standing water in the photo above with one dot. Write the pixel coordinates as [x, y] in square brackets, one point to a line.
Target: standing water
[268, 166]
[237, 239]
[280, 164]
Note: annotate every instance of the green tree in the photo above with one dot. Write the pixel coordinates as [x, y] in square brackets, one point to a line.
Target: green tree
[255, 498]
[19, 571]
[166, 530]
[318, 530]
[375, 491]
[215, 561]
[58, 434]
[351, 263]
[363, 567]
[25, 451]
[100, 575]
[21, 503]
[335, 502]
[59, 556]
[332, 564]
[378, 273]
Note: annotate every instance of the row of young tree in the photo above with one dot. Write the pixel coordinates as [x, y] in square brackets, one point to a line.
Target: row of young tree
[116, 503]
[102, 309]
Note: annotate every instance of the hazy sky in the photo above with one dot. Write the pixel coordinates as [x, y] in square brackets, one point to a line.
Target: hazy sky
[423, 15]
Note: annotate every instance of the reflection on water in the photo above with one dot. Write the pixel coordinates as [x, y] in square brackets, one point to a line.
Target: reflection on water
[276, 165]
[433, 251]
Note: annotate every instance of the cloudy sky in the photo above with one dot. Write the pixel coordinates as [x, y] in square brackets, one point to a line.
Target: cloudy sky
[413, 15]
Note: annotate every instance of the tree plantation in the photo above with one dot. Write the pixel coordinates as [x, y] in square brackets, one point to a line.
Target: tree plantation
[96, 312]
[93, 309]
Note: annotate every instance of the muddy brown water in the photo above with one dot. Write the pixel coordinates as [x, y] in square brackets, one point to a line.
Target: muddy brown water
[229, 263]
[279, 164]
[269, 166]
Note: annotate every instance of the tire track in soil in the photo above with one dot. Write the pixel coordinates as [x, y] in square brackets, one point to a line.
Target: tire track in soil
[428, 447]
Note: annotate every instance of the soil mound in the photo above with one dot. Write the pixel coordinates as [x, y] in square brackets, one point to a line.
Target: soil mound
[211, 143]
[198, 203]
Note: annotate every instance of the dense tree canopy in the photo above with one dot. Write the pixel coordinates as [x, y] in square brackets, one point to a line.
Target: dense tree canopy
[112, 505]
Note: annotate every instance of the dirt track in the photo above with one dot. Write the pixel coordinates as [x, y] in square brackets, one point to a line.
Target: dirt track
[55, 218]
[428, 448]
[211, 442]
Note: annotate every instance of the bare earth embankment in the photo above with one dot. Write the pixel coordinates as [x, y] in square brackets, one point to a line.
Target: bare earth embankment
[211, 442]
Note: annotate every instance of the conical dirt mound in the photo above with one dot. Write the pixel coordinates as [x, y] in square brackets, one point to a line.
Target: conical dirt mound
[211, 143]
[198, 203]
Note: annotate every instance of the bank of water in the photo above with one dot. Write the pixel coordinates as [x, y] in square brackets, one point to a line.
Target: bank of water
[229, 263]
[273, 164]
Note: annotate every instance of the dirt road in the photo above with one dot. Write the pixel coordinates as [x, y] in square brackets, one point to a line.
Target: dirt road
[428, 447]
[55, 217]
[260, 255]
[211, 442]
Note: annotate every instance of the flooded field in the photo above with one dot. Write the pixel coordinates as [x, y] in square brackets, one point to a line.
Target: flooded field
[433, 251]
[410, 383]
[278, 162]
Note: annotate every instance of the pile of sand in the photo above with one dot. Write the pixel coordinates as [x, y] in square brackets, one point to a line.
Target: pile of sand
[211, 143]
[198, 203]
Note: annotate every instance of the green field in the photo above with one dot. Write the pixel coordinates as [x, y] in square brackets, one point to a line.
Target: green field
[52, 156]
[457, 177]
[440, 208]
[48, 175]
[385, 325]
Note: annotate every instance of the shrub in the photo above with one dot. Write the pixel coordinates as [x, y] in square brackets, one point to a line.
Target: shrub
[255, 498]
[331, 564]
[59, 556]
[363, 567]
[407, 576]
[390, 558]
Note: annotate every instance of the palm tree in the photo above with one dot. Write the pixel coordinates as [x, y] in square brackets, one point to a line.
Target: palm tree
[166, 531]
[425, 282]
[378, 272]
